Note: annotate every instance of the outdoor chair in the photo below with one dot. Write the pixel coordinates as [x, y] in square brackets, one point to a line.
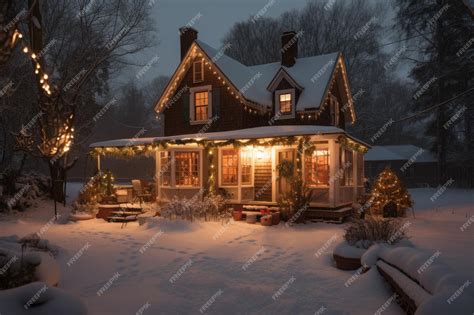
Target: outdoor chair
[138, 191]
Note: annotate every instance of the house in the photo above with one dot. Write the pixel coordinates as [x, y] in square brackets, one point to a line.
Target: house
[414, 166]
[228, 126]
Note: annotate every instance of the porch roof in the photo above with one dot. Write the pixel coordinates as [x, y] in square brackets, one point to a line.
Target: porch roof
[249, 133]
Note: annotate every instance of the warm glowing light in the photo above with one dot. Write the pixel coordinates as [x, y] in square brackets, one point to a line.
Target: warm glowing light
[25, 50]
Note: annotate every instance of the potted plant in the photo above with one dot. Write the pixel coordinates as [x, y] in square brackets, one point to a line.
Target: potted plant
[236, 214]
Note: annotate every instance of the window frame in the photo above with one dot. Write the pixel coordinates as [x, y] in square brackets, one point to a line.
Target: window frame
[169, 162]
[347, 170]
[334, 110]
[199, 167]
[252, 160]
[192, 107]
[221, 168]
[318, 147]
[202, 71]
[278, 113]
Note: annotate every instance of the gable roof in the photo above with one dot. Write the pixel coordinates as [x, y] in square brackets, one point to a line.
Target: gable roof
[399, 153]
[313, 74]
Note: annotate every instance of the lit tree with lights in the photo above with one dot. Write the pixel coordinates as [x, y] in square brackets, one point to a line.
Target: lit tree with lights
[388, 188]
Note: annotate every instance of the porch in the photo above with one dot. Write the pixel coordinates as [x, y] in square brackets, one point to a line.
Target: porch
[243, 165]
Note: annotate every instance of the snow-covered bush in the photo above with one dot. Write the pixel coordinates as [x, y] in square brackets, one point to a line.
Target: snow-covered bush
[13, 274]
[364, 233]
[209, 208]
[21, 191]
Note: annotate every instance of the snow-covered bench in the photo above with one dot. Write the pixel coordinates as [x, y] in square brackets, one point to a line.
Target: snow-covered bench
[423, 285]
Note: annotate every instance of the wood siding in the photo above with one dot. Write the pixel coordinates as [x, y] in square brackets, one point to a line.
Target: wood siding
[230, 111]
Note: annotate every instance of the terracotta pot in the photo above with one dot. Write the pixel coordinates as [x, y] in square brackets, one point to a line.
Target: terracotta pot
[237, 215]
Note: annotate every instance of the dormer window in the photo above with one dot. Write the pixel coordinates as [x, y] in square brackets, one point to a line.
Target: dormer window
[198, 71]
[285, 104]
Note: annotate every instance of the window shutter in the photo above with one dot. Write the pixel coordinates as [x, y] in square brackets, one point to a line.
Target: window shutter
[215, 101]
[185, 98]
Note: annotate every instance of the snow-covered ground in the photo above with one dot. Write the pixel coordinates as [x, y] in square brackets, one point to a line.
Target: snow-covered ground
[181, 267]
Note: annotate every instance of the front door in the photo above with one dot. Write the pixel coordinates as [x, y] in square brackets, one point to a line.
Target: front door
[282, 183]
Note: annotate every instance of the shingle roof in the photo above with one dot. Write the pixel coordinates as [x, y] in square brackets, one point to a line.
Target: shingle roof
[399, 153]
[312, 73]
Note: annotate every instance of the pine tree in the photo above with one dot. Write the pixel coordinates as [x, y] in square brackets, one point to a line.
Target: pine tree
[442, 52]
[388, 188]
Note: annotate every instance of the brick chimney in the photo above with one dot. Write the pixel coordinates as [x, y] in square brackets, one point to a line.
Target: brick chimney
[187, 35]
[289, 48]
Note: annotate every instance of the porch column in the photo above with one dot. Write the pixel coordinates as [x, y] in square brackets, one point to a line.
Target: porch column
[333, 168]
[98, 162]
[355, 174]
[157, 174]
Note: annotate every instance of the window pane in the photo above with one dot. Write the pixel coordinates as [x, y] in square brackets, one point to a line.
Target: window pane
[187, 168]
[285, 103]
[347, 164]
[230, 167]
[201, 102]
[317, 167]
[246, 164]
[198, 74]
[165, 168]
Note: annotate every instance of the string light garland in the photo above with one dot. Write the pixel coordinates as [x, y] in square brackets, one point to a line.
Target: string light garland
[347, 143]
[42, 75]
[388, 188]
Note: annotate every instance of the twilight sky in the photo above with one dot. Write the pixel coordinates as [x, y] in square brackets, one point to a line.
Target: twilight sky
[212, 18]
[217, 17]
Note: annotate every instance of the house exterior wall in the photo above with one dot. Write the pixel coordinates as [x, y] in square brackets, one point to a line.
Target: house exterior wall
[230, 112]
[332, 196]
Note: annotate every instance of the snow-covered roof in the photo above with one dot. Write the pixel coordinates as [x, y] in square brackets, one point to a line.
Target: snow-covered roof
[312, 73]
[249, 133]
[399, 153]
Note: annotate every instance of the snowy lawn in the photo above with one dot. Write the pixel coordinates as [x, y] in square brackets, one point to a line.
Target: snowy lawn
[182, 267]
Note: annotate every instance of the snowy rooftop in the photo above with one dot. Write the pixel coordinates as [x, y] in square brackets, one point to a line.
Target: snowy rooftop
[249, 133]
[319, 68]
[399, 153]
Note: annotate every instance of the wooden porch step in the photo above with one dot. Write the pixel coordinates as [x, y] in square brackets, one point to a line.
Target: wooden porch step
[127, 212]
[328, 215]
[122, 219]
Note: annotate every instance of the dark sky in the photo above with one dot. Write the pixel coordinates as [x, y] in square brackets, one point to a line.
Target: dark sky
[213, 19]
[217, 17]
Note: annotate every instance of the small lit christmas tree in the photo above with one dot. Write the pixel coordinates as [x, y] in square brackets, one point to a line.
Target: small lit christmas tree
[389, 189]
[107, 183]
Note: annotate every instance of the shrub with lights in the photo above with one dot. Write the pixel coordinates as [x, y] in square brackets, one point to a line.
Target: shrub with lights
[389, 190]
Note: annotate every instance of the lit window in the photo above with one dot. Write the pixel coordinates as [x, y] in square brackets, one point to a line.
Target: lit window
[198, 71]
[230, 166]
[317, 167]
[165, 168]
[187, 168]
[246, 165]
[201, 105]
[285, 103]
[347, 164]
